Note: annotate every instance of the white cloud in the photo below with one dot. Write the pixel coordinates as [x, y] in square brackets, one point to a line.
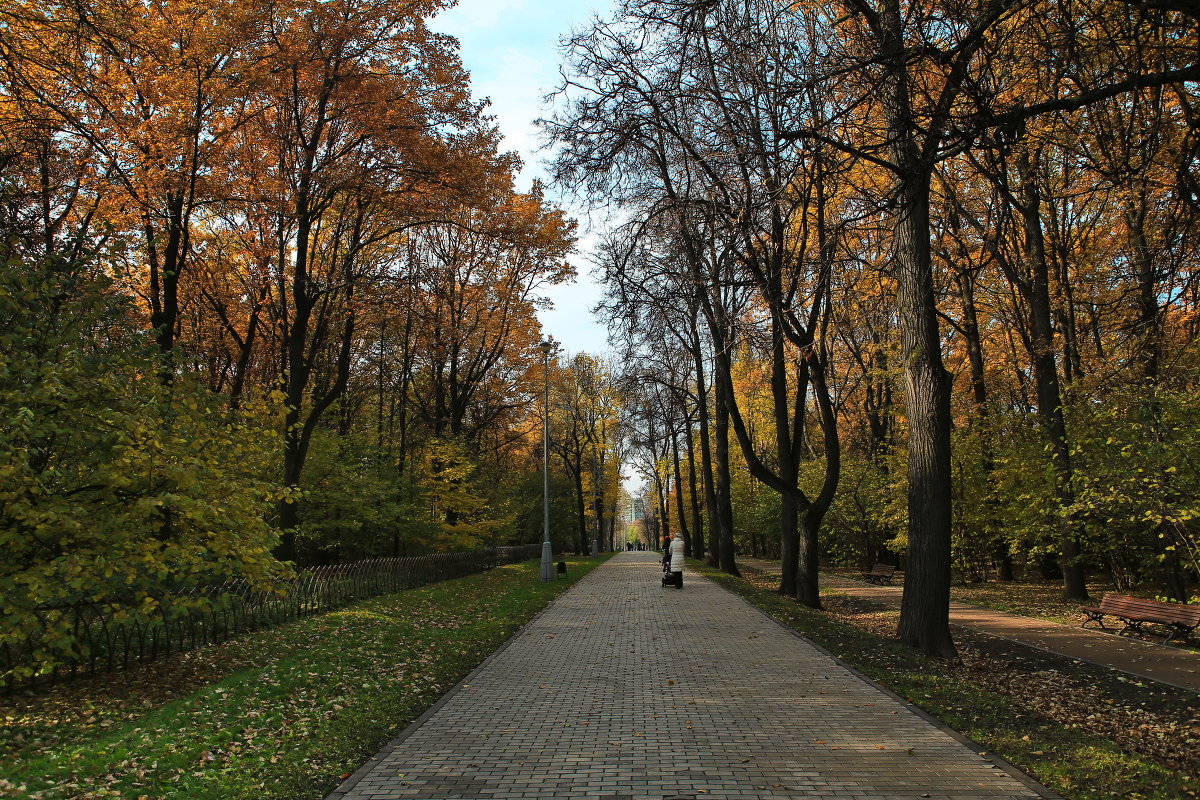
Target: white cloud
[469, 16]
[515, 84]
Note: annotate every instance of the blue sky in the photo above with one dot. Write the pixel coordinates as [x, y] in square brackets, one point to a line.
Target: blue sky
[511, 49]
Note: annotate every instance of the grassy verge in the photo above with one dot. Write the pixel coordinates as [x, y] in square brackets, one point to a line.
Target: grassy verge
[1072, 761]
[1038, 600]
[285, 713]
[1029, 598]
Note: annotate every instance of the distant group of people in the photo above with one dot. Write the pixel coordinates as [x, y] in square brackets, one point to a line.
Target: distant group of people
[672, 559]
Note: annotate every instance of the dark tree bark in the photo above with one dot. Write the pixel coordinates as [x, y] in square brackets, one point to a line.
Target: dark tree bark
[304, 337]
[1036, 292]
[716, 546]
[722, 481]
[924, 614]
[697, 540]
[681, 512]
[581, 545]
[965, 276]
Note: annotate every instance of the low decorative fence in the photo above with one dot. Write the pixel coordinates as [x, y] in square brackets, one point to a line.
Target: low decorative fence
[107, 637]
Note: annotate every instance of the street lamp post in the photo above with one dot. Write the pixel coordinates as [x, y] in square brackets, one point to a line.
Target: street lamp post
[547, 549]
[596, 502]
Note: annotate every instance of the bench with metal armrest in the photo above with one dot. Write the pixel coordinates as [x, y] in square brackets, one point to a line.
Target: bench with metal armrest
[1180, 619]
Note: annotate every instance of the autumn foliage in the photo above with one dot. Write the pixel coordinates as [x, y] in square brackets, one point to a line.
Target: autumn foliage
[269, 297]
[938, 256]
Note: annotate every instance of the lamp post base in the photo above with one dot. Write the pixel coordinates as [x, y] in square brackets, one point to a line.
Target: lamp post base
[547, 563]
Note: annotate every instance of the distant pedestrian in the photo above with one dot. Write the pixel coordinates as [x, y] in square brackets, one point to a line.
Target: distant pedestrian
[676, 554]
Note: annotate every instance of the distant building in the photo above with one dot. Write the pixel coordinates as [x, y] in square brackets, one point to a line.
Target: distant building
[637, 509]
[630, 509]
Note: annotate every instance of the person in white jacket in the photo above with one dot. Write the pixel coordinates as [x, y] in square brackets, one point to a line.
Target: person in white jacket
[676, 551]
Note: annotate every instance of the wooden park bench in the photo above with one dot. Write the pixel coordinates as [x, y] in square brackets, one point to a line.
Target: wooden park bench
[1180, 619]
[880, 573]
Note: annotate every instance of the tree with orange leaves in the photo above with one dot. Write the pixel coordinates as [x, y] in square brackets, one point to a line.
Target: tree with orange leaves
[154, 92]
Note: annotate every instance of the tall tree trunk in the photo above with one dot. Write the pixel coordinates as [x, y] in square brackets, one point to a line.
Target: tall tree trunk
[993, 532]
[679, 509]
[809, 558]
[811, 518]
[1148, 318]
[789, 544]
[925, 608]
[581, 511]
[664, 519]
[166, 262]
[302, 338]
[722, 483]
[380, 400]
[1148, 322]
[598, 503]
[295, 377]
[792, 502]
[694, 495]
[1045, 370]
[706, 458]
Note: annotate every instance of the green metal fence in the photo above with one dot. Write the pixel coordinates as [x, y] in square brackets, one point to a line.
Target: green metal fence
[108, 637]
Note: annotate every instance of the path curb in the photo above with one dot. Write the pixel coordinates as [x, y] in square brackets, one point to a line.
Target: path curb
[1012, 770]
[347, 786]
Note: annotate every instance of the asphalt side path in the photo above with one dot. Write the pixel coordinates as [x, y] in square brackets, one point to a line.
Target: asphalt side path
[625, 690]
[1138, 657]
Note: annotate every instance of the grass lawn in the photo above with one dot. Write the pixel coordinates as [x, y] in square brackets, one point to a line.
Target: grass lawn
[1081, 730]
[1036, 599]
[284, 713]
[1029, 598]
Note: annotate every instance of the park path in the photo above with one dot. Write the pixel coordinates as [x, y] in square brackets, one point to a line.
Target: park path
[1144, 659]
[625, 690]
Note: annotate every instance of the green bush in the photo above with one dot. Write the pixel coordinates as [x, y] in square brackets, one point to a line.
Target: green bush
[118, 482]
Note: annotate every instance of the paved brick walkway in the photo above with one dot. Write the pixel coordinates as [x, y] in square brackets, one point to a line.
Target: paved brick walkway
[624, 690]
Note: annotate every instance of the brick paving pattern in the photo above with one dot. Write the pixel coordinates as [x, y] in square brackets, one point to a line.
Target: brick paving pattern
[625, 690]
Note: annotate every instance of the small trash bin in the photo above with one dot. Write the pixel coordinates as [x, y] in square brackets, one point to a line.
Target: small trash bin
[562, 568]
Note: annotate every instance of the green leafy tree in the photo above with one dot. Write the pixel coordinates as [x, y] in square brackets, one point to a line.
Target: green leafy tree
[355, 506]
[1140, 489]
[455, 503]
[115, 488]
